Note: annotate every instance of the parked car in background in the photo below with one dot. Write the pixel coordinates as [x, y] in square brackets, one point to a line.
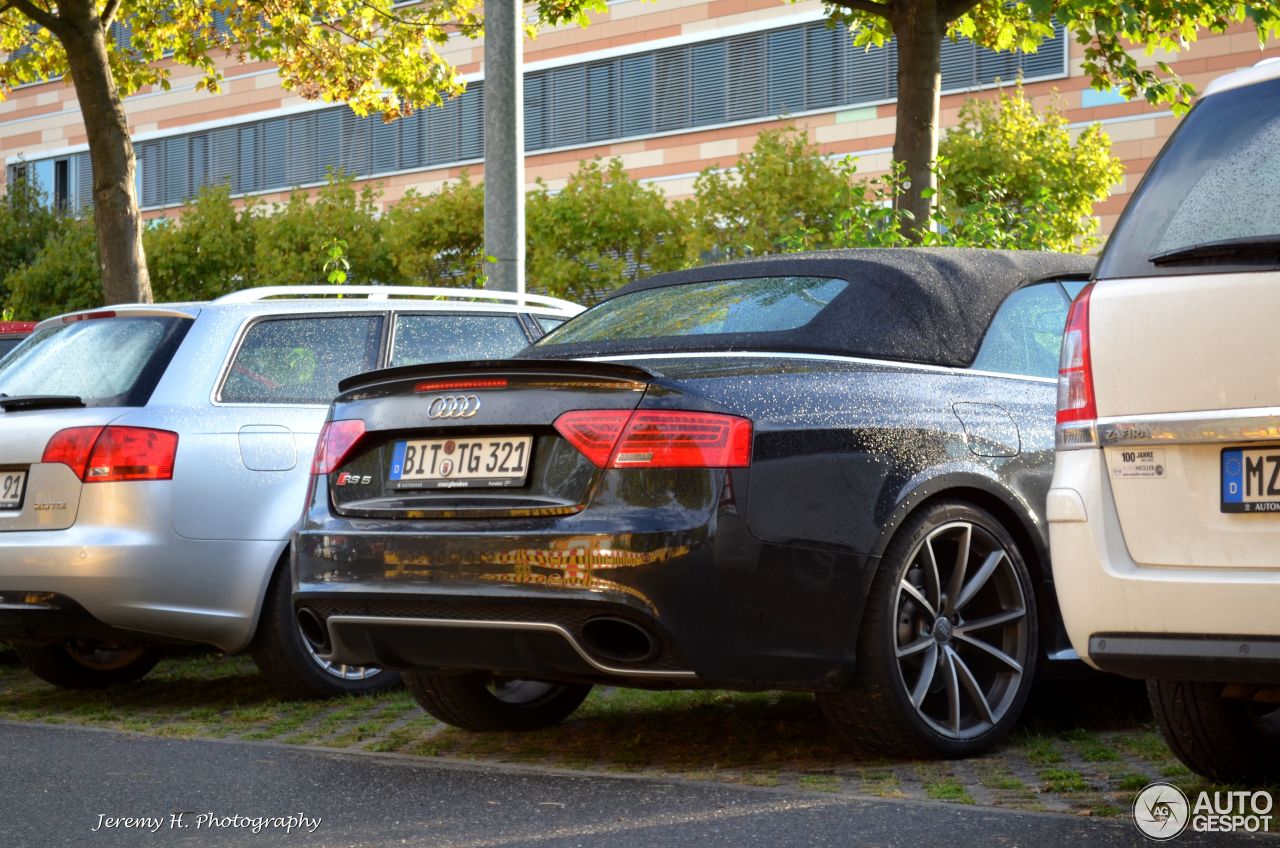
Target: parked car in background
[818, 472]
[12, 332]
[1165, 507]
[154, 461]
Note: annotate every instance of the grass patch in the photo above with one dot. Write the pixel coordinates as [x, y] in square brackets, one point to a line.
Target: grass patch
[1131, 782]
[1062, 781]
[1146, 745]
[820, 782]
[1040, 750]
[948, 789]
[1005, 782]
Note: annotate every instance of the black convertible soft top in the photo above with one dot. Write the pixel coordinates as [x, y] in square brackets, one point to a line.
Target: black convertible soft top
[929, 305]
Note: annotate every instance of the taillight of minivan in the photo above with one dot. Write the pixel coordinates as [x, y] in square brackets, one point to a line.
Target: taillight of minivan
[1077, 409]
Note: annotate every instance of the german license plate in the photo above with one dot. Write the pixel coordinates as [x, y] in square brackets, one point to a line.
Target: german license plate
[12, 485]
[1251, 480]
[491, 462]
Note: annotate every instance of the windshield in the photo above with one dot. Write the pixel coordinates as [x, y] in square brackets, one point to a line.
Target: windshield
[103, 361]
[1217, 181]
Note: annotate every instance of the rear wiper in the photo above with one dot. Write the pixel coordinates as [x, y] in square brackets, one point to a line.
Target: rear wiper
[1249, 245]
[11, 404]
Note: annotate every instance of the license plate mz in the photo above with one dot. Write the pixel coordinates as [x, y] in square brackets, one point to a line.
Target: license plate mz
[1251, 480]
[490, 462]
[12, 485]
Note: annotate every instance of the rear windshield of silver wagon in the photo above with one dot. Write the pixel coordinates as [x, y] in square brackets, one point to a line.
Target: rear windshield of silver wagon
[1211, 201]
[107, 361]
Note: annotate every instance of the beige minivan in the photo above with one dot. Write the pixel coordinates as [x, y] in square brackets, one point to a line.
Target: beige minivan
[1164, 513]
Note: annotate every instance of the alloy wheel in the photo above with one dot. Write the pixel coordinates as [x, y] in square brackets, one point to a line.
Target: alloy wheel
[962, 632]
[341, 671]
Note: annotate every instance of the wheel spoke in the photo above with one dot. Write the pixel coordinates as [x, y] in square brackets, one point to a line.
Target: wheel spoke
[962, 565]
[932, 583]
[915, 647]
[970, 684]
[993, 651]
[926, 676]
[953, 692]
[919, 598]
[990, 621]
[974, 586]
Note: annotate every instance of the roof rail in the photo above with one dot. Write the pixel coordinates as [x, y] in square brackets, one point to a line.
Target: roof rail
[398, 292]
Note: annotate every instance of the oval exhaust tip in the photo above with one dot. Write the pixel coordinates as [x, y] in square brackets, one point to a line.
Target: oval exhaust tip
[619, 640]
[313, 630]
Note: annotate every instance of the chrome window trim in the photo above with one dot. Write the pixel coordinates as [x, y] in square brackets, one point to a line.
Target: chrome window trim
[824, 357]
[1255, 424]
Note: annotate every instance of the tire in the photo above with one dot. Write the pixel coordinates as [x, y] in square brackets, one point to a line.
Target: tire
[480, 701]
[89, 663]
[1223, 739]
[917, 672]
[292, 666]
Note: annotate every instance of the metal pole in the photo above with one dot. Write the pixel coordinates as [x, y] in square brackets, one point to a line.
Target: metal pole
[504, 145]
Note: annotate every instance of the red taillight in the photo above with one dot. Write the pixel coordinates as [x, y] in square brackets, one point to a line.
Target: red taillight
[72, 447]
[454, 385]
[658, 438]
[336, 441]
[594, 432]
[114, 454]
[1077, 409]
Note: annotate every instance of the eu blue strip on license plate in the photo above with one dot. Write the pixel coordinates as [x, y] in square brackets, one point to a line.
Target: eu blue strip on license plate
[1251, 480]
[397, 461]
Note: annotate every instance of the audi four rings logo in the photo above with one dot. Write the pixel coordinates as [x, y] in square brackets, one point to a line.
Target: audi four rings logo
[454, 406]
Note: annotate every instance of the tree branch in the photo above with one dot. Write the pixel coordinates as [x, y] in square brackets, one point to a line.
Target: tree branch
[866, 7]
[46, 19]
[949, 10]
[109, 13]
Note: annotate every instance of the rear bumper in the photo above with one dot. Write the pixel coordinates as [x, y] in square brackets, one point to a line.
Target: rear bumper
[1152, 621]
[142, 578]
[707, 604]
[1157, 656]
[42, 618]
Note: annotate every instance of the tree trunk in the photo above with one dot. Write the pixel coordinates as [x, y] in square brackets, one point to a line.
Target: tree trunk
[116, 217]
[919, 28]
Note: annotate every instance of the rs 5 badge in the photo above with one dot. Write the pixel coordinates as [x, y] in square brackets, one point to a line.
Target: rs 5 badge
[345, 479]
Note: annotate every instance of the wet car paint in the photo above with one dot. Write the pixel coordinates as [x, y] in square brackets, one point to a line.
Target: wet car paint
[760, 572]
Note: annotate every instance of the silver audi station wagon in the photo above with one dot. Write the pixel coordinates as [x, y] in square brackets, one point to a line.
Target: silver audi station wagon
[155, 459]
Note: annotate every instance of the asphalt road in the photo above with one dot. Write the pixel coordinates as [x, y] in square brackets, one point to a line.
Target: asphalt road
[80, 787]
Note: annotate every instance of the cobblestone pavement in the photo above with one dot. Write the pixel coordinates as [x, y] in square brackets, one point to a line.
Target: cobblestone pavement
[1085, 748]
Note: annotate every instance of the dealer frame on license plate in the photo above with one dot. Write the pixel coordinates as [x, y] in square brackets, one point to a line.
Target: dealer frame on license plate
[473, 462]
[13, 486]
[1251, 479]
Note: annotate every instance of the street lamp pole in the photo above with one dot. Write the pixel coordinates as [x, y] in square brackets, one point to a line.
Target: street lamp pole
[504, 145]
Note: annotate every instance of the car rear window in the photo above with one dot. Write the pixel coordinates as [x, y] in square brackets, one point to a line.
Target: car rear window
[720, 307]
[453, 338]
[103, 361]
[1217, 180]
[7, 345]
[300, 360]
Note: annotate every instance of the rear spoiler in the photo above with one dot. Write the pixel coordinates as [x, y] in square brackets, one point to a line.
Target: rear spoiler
[507, 367]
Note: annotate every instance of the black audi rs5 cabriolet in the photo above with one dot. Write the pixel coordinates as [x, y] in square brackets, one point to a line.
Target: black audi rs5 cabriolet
[822, 472]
